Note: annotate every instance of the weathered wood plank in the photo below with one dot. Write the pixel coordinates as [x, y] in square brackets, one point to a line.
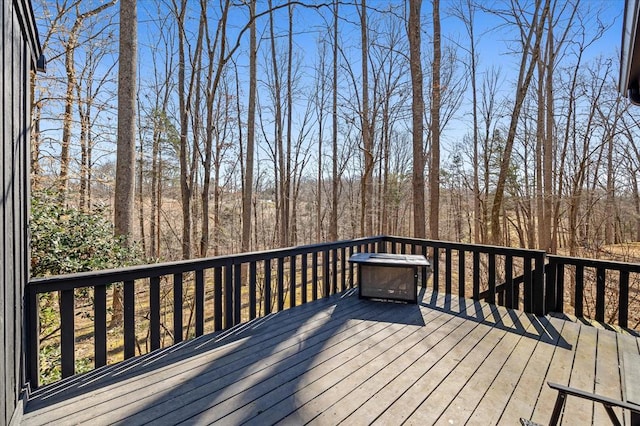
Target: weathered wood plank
[500, 389]
[372, 392]
[341, 388]
[469, 378]
[582, 377]
[324, 384]
[627, 343]
[130, 383]
[607, 374]
[558, 371]
[525, 394]
[222, 396]
[419, 381]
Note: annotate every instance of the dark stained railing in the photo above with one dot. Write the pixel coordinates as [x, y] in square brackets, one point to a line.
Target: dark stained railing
[287, 277]
[507, 276]
[599, 289]
[227, 290]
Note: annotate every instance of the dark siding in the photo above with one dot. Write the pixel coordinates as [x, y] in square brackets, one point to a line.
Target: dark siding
[19, 51]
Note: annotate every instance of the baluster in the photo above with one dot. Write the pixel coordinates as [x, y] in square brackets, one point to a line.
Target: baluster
[303, 277]
[67, 338]
[623, 301]
[252, 290]
[292, 281]
[280, 283]
[129, 319]
[600, 288]
[511, 296]
[461, 273]
[177, 308]
[579, 290]
[491, 298]
[237, 294]
[447, 271]
[154, 312]
[199, 302]
[314, 275]
[267, 286]
[217, 299]
[100, 325]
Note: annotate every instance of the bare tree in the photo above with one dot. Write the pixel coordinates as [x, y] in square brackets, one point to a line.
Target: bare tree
[366, 194]
[70, 47]
[335, 179]
[247, 188]
[531, 35]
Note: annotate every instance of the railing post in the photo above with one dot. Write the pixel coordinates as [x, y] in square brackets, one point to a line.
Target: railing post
[539, 307]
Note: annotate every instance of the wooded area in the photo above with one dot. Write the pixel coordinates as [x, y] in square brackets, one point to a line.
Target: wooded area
[266, 124]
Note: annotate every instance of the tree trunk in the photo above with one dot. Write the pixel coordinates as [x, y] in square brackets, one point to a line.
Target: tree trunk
[247, 194]
[366, 220]
[125, 156]
[335, 179]
[417, 108]
[434, 169]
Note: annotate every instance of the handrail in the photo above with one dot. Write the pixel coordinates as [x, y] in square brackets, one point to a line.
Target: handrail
[248, 285]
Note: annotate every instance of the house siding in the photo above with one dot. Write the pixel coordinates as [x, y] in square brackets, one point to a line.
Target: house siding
[20, 50]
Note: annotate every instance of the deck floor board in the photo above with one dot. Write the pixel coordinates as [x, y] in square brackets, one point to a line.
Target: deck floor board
[344, 360]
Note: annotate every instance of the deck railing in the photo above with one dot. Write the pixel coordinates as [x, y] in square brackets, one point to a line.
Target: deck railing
[272, 279]
[218, 293]
[598, 289]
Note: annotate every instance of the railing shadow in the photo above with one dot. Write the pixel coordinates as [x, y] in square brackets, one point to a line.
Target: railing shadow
[545, 331]
[226, 366]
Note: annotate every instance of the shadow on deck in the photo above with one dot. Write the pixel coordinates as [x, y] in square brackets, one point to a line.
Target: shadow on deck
[342, 359]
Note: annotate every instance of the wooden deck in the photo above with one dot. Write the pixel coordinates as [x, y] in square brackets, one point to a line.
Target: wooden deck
[351, 361]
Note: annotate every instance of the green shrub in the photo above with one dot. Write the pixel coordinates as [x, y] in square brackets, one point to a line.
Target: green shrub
[65, 240]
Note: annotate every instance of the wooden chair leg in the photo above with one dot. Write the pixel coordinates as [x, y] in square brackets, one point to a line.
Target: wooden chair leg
[557, 409]
[612, 415]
